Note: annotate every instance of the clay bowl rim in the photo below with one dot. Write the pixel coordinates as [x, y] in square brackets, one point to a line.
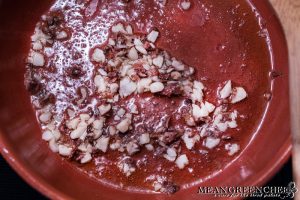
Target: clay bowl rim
[266, 173]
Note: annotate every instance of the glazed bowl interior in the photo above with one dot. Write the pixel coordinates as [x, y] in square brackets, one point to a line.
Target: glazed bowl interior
[20, 137]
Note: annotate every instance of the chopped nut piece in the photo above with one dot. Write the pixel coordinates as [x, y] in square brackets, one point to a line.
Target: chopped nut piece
[45, 117]
[232, 148]
[37, 59]
[53, 146]
[144, 138]
[143, 85]
[141, 49]
[102, 143]
[118, 28]
[149, 147]
[132, 148]
[226, 90]
[115, 145]
[197, 94]
[232, 124]
[171, 154]
[98, 124]
[111, 42]
[127, 87]
[211, 142]
[123, 126]
[182, 161]
[175, 75]
[152, 36]
[126, 165]
[47, 135]
[86, 158]
[73, 123]
[185, 4]
[199, 112]
[156, 87]
[222, 127]
[129, 30]
[100, 83]
[64, 150]
[37, 46]
[158, 61]
[61, 35]
[239, 94]
[133, 54]
[79, 131]
[105, 108]
[98, 55]
[178, 65]
[209, 107]
[190, 141]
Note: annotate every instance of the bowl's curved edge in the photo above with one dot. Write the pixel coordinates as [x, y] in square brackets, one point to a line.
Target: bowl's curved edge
[34, 181]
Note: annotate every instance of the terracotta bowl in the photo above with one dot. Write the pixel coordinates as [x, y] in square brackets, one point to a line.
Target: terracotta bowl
[20, 138]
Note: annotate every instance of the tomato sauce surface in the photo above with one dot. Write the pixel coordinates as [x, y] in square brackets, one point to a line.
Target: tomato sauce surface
[222, 40]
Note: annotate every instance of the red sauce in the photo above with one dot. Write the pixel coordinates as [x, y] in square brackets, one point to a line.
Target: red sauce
[222, 40]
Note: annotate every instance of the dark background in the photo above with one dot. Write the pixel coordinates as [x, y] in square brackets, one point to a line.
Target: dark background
[12, 187]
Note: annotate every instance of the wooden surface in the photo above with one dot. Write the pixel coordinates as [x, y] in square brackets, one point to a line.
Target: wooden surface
[289, 13]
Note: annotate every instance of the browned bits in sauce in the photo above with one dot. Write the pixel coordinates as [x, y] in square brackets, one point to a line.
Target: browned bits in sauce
[76, 72]
[47, 99]
[34, 87]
